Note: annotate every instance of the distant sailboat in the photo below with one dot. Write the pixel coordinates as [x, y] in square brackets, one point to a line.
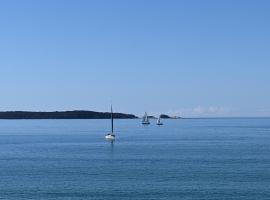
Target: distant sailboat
[145, 120]
[159, 123]
[111, 135]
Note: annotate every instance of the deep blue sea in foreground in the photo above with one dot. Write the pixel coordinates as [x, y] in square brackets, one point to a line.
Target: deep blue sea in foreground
[185, 159]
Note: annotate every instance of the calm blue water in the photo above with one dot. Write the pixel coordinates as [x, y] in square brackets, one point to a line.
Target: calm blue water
[185, 159]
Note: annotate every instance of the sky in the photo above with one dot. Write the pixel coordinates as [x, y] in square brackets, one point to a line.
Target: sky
[189, 58]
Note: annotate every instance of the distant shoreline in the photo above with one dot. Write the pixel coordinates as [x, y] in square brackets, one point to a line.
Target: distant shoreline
[84, 114]
[76, 114]
[225, 118]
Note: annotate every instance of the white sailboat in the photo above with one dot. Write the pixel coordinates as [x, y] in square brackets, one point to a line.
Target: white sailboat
[111, 136]
[159, 123]
[145, 120]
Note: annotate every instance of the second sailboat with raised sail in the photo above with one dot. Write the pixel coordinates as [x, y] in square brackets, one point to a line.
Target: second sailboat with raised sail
[145, 120]
[159, 123]
[111, 135]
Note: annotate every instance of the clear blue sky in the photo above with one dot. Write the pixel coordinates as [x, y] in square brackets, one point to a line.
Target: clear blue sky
[191, 58]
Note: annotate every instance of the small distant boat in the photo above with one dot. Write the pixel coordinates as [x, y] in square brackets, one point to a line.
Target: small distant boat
[159, 123]
[111, 136]
[145, 120]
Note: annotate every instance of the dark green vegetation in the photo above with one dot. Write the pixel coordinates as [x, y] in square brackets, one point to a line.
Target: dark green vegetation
[152, 117]
[63, 115]
[165, 116]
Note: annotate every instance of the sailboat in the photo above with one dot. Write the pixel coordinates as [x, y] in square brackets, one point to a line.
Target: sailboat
[145, 120]
[159, 123]
[111, 135]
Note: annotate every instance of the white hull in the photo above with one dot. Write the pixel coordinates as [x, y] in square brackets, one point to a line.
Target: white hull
[110, 137]
[145, 123]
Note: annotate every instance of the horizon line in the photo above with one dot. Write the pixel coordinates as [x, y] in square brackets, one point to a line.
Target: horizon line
[172, 117]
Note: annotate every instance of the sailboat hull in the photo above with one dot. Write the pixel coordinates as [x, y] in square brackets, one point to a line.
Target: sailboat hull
[110, 136]
[145, 123]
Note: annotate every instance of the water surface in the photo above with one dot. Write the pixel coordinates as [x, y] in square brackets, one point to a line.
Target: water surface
[184, 159]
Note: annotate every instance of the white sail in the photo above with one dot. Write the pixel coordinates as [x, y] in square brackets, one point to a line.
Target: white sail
[159, 121]
[145, 119]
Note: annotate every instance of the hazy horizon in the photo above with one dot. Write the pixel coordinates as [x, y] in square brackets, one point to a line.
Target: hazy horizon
[140, 115]
[185, 58]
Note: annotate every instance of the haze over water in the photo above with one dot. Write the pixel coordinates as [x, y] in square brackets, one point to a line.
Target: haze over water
[184, 159]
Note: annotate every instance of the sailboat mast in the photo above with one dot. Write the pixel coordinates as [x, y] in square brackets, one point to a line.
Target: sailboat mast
[112, 117]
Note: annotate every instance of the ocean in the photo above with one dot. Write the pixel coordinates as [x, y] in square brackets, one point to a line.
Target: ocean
[184, 159]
